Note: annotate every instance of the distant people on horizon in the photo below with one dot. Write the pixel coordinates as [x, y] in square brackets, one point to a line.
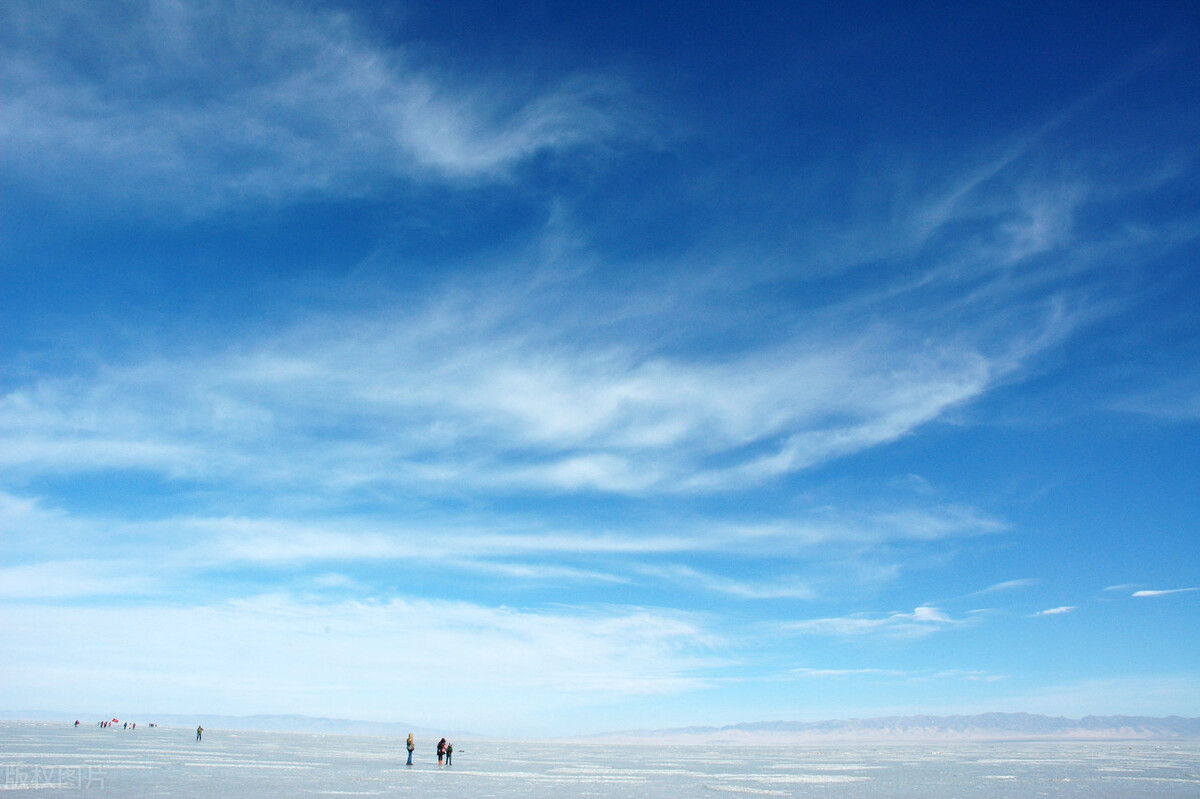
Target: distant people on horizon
[441, 750]
[76, 722]
[199, 732]
[410, 746]
[449, 751]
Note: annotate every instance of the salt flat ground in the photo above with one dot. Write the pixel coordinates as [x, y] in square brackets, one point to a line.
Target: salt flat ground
[61, 760]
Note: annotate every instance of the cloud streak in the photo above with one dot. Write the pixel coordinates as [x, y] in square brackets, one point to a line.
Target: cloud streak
[444, 396]
[1163, 592]
[1007, 585]
[57, 553]
[202, 105]
[898, 675]
[921, 621]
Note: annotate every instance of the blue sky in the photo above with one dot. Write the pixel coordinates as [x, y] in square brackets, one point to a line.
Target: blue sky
[542, 368]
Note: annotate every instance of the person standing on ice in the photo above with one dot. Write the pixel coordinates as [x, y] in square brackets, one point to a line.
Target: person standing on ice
[410, 746]
[441, 750]
[199, 732]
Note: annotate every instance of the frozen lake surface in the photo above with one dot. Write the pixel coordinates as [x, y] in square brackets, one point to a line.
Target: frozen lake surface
[42, 759]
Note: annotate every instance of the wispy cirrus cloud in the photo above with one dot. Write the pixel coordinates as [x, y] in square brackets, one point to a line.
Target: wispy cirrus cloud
[756, 588]
[1007, 585]
[841, 673]
[1058, 611]
[455, 393]
[199, 105]
[925, 675]
[1163, 592]
[142, 562]
[136, 557]
[1174, 397]
[518, 381]
[829, 528]
[921, 621]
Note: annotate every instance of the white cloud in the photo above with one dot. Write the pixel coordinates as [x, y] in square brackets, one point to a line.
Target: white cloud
[922, 621]
[1175, 396]
[742, 588]
[280, 541]
[895, 675]
[916, 483]
[444, 398]
[840, 673]
[198, 105]
[1057, 611]
[1007, 585]
[830, 526]
[942, 522]
[1164, 592]
[539, 571]
[969, 675]
[170, 555]
[311, 536]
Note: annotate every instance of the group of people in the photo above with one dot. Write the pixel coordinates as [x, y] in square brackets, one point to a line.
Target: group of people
[129, 725]
[445, 750]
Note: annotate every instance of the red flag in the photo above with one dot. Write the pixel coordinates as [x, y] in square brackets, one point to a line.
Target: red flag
[114, 721]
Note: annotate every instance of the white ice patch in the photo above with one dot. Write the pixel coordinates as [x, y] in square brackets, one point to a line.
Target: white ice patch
[744, 789]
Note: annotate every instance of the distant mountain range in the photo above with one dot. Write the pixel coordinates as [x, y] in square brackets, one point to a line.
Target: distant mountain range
[898, 729]
[893, 729]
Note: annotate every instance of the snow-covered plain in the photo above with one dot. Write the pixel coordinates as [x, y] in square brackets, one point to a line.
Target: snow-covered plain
[55, 759]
